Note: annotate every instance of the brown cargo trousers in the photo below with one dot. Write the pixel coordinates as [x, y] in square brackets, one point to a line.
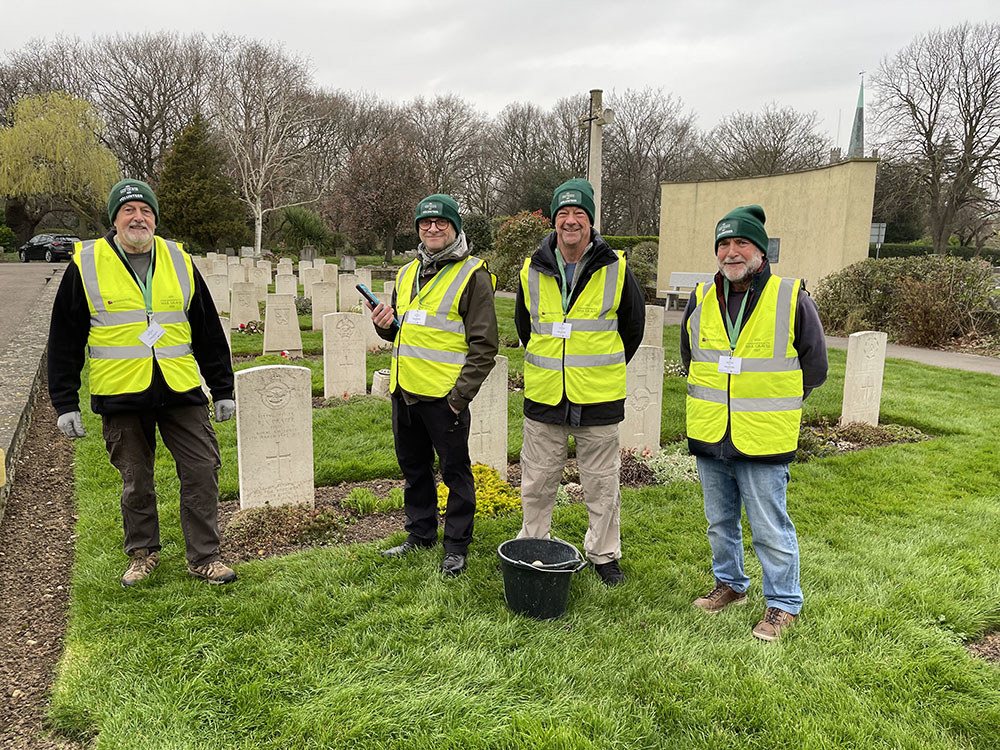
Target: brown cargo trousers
[190, 438]
[543, 456]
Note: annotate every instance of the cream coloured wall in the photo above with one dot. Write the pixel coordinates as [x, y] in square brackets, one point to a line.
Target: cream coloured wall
[822, 216]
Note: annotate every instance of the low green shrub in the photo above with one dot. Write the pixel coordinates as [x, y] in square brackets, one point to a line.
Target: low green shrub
[494, 496]
[516, 240]
[642, 259]
[8, 240]
[361, 500]
[672, 463]
[901, 250]
[925, 302]
[625, 243]
[479, 232]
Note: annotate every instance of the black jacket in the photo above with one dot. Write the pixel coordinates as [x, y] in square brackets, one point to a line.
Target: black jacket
[631, 324]
[808, 340]
[70, 327]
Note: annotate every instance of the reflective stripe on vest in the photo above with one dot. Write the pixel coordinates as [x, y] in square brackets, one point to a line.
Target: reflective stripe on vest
[428, 358]
[120, 363]
[589, 366]
[762, 405]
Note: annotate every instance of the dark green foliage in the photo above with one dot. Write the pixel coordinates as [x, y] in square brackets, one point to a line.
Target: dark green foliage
[642, 259]
[924, 302]
[405, 240]
[300, 227]
[625, 243]
[8, 240]
[899, 250]
[479, 232]
[516, 240]
[197, 203]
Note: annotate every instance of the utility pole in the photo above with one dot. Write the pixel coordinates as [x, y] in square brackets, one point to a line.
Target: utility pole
[594, 121]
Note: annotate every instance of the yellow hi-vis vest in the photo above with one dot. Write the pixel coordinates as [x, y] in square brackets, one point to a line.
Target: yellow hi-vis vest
[119, 362]
[427, 357]
[762, 405]
[589, 366]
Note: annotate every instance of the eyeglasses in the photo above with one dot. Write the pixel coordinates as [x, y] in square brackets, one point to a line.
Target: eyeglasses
[428, 223]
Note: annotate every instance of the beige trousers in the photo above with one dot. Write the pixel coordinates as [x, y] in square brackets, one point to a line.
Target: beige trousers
[543, 456]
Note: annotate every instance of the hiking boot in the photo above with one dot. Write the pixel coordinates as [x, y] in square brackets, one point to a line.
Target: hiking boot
[214, 572]
[610, 573]
[404, 549]
[719, 598]
[774, 622]
[453, 564]
[141, 565]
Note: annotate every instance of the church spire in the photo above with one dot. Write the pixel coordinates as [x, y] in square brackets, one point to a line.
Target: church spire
[857, 148]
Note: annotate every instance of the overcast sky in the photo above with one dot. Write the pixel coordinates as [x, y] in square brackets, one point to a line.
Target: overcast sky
[718, 56]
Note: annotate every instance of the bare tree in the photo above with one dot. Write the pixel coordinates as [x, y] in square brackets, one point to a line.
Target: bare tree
[444, 139]
[775, 140]
[567, 140]
[651, 139]
[938, 106]
[41, 67]
[264, 112]
[147, 87]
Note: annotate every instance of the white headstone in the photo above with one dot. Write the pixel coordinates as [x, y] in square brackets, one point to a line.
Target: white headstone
[244, 304]
[285, 283]
[247, 262]
[246, 252]
[237, 274]
[365, 276]
[389, 287]
[319, 263]
[643, 400]
[260, 277]
[348, 263]
[380, 383]
[488, 420]
[266, 265]
[863, 377]
[349, 297]
[211, 255]
[274, 436]
[218, 285]
[343, 355]
[233, 260]
[324, 302]
[330, 271]
[281, 326]
[220, 266]
[304, 264]
[653, 335]
[309, 277]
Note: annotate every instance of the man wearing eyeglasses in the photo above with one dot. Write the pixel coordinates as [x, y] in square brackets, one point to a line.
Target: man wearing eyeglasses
[444, 331]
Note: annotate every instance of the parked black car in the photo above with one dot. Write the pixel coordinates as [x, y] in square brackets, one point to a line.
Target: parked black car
[47, 247]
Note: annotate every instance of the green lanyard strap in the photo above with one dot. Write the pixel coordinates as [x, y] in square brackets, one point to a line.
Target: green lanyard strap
[564, 287]
[437, 277]
[145, 287]
[734, 328]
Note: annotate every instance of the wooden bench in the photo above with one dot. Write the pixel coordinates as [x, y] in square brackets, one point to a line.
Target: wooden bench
[680, 286]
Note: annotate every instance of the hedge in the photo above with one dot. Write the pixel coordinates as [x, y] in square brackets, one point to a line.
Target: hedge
[901, 250]
[626, 243]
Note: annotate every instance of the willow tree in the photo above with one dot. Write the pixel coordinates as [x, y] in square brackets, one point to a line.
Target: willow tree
[51, 158]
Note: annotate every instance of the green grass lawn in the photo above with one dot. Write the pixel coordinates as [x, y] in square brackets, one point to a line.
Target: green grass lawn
[337, 647]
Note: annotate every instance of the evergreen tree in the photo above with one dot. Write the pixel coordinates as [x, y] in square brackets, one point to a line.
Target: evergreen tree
[197, 202]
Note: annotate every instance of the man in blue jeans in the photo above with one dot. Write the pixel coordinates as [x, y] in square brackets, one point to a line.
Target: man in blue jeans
[754, 348]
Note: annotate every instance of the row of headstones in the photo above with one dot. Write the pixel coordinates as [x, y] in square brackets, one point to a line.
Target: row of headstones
[344, 348]
[274, 439]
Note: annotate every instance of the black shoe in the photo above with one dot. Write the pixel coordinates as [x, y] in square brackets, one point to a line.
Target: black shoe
[453, 564]
[610, 573]
[404, 549]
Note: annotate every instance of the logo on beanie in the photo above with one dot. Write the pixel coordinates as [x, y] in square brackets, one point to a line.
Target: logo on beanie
[431, 208]
[570, 196]
[724, 229]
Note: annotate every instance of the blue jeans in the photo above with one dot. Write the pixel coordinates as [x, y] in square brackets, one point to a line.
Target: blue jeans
[729, 485]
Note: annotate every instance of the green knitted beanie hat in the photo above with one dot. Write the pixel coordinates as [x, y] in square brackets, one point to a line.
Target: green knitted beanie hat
[131, 190]
[438, 206]
[575, 192]
[745, 221]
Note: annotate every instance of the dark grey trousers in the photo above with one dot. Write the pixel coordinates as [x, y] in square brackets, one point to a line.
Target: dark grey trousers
[190, 438]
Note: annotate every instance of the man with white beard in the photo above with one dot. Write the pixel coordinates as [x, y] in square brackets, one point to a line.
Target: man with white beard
[754, 348]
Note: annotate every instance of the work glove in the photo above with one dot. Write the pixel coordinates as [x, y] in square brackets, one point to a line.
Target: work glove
[71, 425]
[224, 409]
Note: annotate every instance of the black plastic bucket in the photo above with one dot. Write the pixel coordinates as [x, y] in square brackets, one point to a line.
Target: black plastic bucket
[537, 574]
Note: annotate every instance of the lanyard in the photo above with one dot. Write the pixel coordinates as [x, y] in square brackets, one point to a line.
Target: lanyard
[564, 287]
[145, 287]
[734, 328]
[437, 277]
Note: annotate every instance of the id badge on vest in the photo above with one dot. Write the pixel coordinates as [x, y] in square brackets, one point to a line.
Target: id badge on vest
[417, 317]
[730, 365]
[562, 330]
[153, 333]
